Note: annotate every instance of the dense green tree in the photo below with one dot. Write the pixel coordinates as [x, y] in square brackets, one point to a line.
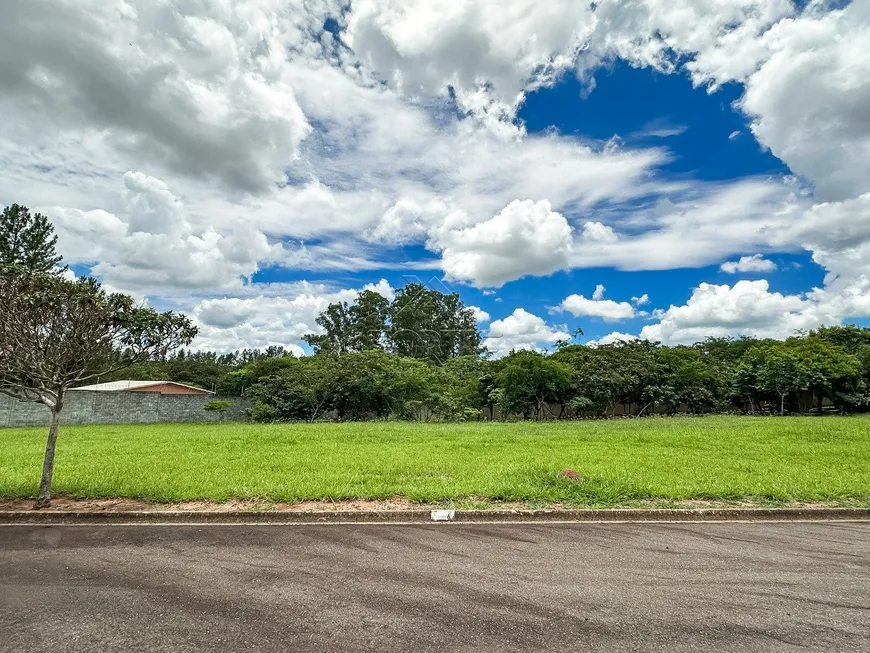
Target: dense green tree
[597, 385]
[337, 337]
[419, 323]
[238, 381]
[727, 350]
[772, 372]
[530, 383]
[849, 338]
[425, 323]
[764, 376]
[781, 373]
[363, 385]
[459, 326]
[643, 379]
[413, 331]
[690, 379]
[463, 386]
[368, 321]
[831, 372]
[745, 380]
[294, 389]
[27, 241]
[624, 373]
[375, 384]
[352, 327]
[804, 373]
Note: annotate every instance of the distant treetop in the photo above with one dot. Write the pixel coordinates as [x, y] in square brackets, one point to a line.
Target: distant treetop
[27, 240]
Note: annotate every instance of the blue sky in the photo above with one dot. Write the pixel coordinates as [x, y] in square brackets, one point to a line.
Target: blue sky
[643, 169]
[707, 138]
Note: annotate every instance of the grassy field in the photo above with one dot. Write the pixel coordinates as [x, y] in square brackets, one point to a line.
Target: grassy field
[623, 462]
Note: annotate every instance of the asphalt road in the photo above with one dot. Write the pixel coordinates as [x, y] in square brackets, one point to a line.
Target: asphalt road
[447, 587]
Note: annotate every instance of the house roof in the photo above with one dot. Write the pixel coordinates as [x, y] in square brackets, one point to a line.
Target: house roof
[120, 386]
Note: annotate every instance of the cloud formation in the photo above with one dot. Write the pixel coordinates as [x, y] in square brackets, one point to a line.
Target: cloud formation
[154, 246]
[521, 330]
[606, 309]
[747, 308]
[524, 238]
[263, 320]
[181, 148]
[754, 263]
[203, 92]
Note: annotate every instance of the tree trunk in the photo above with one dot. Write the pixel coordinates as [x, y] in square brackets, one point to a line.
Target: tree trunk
[782, 404]
[44, 498]
[643, 410]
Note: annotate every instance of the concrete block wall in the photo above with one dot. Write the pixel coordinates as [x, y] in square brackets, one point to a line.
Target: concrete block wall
[86, 407]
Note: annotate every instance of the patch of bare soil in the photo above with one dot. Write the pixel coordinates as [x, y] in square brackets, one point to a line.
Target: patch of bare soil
[71, 504]
[739, 503]
[394, 504]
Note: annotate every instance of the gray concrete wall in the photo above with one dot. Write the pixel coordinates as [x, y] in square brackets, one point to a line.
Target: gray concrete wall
[86, 407]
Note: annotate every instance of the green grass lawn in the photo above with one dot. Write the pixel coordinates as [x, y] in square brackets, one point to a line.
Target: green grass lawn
[623, 462]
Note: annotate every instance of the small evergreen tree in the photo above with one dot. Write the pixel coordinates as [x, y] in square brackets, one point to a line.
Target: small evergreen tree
[27, 240]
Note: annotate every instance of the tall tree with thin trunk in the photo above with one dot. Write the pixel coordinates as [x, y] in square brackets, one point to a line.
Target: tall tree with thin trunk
[27, 240]
[781, 373]
[368, 316]
[337, 330]
[56, 334]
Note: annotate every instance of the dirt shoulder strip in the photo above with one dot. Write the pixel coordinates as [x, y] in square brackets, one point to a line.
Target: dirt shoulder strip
[47, 517]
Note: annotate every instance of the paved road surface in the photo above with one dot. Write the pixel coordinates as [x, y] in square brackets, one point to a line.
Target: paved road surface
[582, 587]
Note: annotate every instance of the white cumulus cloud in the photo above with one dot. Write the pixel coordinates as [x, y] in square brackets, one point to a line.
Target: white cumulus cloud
[803, 100]
[480, 315]
[181, 147]
[754, 263]
[523, 238]
[597, 306]
[746, 308]
[521, 330]
[612, 338]
[154, 245]
[196, 89]
[596, 232]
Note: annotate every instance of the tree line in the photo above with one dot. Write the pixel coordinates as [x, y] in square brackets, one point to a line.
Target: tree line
[420, 356]
[827, 369]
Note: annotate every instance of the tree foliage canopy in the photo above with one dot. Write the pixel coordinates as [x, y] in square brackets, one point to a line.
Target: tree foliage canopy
[27, 241]
[802, 374]
[419, 323]
[55, 333]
